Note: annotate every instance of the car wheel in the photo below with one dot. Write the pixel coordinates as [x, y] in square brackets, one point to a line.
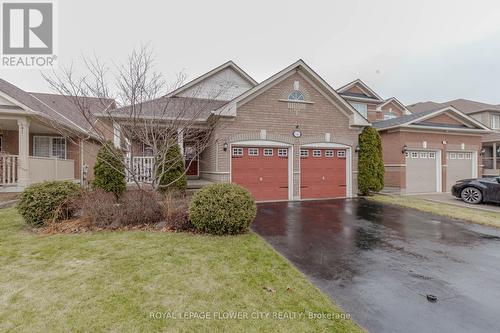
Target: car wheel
[471, 195]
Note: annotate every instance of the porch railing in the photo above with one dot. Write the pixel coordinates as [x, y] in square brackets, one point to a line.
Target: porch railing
[142, 167]
[8, 169]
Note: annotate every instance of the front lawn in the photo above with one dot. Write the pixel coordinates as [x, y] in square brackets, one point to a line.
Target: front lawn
[452, 211]
[115, 281]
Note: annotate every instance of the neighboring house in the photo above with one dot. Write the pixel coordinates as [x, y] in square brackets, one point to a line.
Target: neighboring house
[487, 114]
[370, 104]
[43, 137]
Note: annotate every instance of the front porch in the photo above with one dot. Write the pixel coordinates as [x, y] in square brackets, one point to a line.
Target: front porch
[491, 159]
[31, 152]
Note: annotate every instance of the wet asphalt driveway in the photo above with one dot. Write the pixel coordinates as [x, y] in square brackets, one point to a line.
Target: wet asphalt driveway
[378, 262]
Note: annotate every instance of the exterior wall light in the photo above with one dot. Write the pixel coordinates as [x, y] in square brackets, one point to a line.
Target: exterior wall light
[357, 149]
[482, 152]
[224, 147]
[405, 149]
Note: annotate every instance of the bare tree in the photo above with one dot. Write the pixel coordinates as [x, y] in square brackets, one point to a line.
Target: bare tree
[133, 103]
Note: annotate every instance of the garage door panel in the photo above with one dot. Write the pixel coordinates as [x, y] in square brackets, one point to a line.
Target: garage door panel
[459, 166]
[266, 177]
[323, 176]
[421, 171]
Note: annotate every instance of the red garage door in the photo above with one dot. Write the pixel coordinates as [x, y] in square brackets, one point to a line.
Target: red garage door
[322, 173]
[262, 170]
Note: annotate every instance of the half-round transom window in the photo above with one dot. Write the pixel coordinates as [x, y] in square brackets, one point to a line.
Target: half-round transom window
[296, 96]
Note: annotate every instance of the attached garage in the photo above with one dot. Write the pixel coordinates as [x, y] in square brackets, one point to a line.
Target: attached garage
[263, 170]
[422, 171]
[323, 173]
[459, 165]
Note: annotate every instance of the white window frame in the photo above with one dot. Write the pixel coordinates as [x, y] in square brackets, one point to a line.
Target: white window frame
[296, 95]
[51, 144]
[253, 151]
[304, 153]
[237, 151]
[329, 153]
[453, 156]
[362, 108]
[495, 121]
[341, 153]
[432, 155]
[317, 153]
[282, 152]
[414, 154]
[423, 154]
[468, 156]
[268, 151]
[389, 116]
[460, 156]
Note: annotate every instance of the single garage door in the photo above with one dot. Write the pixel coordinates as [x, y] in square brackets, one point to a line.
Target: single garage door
[322, 173]
[421, 171]
[459, 166]
[261, 170]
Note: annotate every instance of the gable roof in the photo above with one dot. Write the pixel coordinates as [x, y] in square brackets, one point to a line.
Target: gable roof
[411, 120]
[355, 118]
[395, 101]
[370, 94]
[228, 64]
[469, 107]
[53, 107]
[424, 106]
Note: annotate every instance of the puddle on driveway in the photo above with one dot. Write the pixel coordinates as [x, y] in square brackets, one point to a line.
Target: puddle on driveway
[378, 262]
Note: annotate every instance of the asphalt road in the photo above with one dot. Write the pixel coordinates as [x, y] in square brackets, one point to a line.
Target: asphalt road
[378, 262]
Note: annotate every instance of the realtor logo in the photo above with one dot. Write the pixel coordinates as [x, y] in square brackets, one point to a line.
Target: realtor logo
[28, 29]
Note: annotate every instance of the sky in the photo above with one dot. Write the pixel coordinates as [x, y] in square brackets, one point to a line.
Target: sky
[413, 50]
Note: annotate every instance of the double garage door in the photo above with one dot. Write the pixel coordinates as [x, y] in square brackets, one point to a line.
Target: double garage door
[423, 170]
[264, 171]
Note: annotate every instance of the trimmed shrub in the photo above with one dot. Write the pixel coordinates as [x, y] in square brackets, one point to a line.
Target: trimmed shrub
[175, 211]
[135, 207]
[221, 209]
[371, 162]
[48, 201]
[172, 175]
[109, 171]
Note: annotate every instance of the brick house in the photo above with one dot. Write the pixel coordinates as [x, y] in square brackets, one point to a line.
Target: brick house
[289, 137]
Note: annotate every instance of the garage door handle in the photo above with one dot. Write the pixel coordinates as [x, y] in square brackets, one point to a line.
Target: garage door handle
[344, 185]
[283, 187]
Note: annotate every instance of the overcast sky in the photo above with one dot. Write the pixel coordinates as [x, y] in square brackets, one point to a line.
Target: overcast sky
[413, 50]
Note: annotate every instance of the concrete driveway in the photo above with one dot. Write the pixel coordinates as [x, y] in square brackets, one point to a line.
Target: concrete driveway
[449, 199]
[378, 262]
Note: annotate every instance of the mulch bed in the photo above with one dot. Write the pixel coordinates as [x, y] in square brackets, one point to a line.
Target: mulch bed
[77, 226]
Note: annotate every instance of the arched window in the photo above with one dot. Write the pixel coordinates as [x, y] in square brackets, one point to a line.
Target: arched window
[296, 96]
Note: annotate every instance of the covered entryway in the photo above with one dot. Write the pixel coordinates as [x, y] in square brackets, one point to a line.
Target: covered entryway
[261, 170]
[422, 170]
[460, 165]
[323, 173]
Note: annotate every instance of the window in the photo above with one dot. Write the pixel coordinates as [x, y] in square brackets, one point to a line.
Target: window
[414, 154]
[495, 121]
[407, 154]
[268, 152]
[361, 108]
[468, 156]
[432, 155]
[304, 153]
[296, 96]
[461, 156]
[48, 146]
[282, 152]
[253, 151]
[237, 151]
[389, 116]
[423, 154]
[341, 153]
[147, 150]
[328, 153]
[453, 156]
[316, 153]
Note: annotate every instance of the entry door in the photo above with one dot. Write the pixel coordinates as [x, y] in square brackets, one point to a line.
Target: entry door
[459, 166]
[421, 171]
[322, 173]
[261, 170]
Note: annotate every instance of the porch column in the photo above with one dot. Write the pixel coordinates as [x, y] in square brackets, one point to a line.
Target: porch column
[23, 175]
[494, 153]
[180, 140]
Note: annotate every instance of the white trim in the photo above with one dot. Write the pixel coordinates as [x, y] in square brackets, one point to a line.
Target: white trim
[325, 145]
[51, 137]
[397, 102]
[265, 143]
[362, 86]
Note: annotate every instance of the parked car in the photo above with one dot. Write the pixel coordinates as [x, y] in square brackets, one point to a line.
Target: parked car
[477, 190]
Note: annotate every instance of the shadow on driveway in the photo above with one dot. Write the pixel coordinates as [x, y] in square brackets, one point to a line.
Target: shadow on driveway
[379, 261]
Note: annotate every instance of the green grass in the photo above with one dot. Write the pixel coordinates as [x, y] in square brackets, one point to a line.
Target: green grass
[460, 213]
[113, 281]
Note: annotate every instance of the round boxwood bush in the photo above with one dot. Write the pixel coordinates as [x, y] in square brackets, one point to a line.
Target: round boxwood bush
[47, 201]
[222, 209]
